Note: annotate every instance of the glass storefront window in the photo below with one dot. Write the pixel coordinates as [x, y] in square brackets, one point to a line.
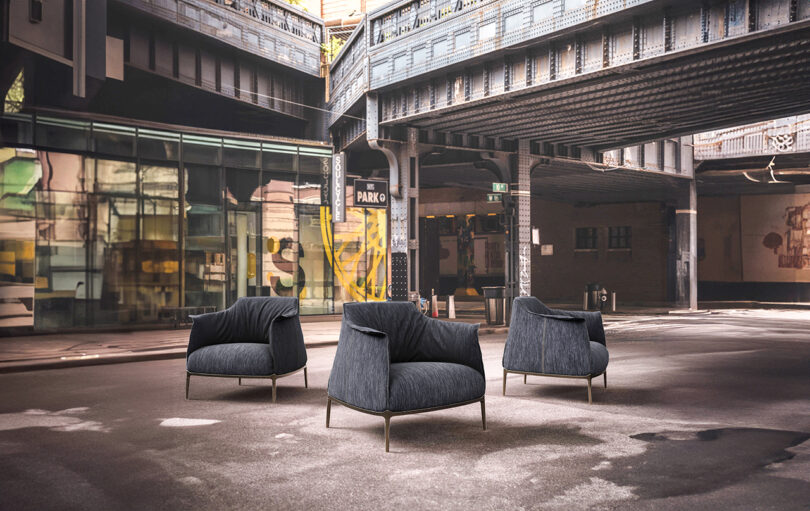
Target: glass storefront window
[204, 264]
[159, 181]
[96, 236]
[114, 176]
[158, 145]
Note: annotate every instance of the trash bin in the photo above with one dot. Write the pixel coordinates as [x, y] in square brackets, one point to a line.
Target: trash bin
[494, 304]
[596, 296]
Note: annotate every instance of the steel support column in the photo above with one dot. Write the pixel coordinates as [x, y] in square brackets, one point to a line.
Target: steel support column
[521, 235]
[686, 247]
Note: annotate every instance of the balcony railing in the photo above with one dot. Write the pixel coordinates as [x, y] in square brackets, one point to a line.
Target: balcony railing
[349, 73]
[432, 34]
[782, 136]
[266, 28]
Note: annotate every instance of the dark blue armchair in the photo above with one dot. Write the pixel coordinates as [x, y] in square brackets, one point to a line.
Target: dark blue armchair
[392, 360]
[553, 342]
[257, 337]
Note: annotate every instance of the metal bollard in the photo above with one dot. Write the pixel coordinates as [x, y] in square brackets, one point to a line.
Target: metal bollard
[451, 307]
[585, 301]
[613, 301]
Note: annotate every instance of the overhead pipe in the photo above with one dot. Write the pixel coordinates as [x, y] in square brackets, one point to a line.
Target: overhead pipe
[393, 168]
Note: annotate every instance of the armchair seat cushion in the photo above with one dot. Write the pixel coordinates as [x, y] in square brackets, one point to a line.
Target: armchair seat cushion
[599, 358]
[236, 358]
[418, 385]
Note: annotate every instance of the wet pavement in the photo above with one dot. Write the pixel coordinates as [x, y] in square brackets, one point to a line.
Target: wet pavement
[702, 411]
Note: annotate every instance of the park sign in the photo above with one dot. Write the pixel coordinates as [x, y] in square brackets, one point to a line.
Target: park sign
[370, 193]
[499, 187]
[494, 197]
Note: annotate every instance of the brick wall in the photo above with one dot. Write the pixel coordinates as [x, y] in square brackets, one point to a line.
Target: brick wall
[637, 275]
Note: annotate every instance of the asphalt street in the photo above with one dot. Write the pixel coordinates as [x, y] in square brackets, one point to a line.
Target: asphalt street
[702, 411]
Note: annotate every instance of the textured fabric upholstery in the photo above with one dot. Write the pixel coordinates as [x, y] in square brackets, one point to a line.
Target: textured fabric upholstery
[417, 385]
[271, 322]
[599, 358]
[377, 336]
[238, 359]
[551, 341]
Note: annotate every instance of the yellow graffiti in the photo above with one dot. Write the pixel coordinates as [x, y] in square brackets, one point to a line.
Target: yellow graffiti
[369, 230]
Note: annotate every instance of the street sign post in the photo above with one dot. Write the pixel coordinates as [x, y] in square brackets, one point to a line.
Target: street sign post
[371, 193]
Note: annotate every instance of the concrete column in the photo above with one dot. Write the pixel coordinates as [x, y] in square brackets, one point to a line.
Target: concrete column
[521, 193]
[686, 248]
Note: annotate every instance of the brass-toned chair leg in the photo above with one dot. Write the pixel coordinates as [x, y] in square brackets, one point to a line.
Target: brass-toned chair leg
[504, 382]
[590, 400]
[274, 390]
[605, 376]
[387, 430]
[328, 409]
[483, 414]
[188, 377]
[524, 379]
[306, 384]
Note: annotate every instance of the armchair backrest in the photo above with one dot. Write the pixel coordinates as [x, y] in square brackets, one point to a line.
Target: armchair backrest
[400, 321]
[247, 320]
[544, 341]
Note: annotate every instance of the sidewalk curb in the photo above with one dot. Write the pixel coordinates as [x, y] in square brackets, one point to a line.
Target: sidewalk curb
[94, 360]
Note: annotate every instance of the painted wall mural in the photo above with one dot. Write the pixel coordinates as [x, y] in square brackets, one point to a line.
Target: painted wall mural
[776, 238]
[357, 253]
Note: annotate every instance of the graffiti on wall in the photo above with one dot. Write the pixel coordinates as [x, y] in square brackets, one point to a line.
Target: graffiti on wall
[793, 248]
[357, 252]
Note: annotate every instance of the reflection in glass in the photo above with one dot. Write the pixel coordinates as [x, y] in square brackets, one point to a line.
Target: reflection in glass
[205, 238]
[113, 176]
[19, 173]
[315, 274]
[159, 181]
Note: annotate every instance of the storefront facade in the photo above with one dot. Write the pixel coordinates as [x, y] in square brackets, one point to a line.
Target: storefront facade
[108, 224]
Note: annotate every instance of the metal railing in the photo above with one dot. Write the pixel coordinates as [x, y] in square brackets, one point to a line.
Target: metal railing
[348, 73]
[781, 136]
[265, 28]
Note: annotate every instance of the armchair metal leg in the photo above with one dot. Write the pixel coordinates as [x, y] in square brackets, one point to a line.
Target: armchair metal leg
[240, 382]
[188, 377]
[524, 379]
[274, 390]
[590, 400]
[387, 430]
[483, 414]
[504, 382]
[328, 409]
[605, 376]
[306, 383]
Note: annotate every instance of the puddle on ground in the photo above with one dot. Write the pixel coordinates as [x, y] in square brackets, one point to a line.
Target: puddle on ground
[685, 463]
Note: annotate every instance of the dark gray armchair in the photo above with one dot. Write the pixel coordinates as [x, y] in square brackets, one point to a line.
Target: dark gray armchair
[553, 342]
[392, 360]
[257, 337]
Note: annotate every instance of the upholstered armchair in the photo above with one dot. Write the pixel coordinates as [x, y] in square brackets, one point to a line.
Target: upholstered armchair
[553, 342]
[391, 360]
[257, 337]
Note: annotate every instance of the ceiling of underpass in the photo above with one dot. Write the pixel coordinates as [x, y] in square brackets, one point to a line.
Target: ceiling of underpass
[734, 82]
[563, 181]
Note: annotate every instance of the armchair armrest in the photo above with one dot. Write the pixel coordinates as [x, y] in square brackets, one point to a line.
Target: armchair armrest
[359, 374]
[563, 344]
[287, 343]
[447, 341]
[593, 320]
[207, 329]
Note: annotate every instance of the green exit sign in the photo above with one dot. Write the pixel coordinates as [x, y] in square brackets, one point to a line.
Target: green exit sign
[498, 187]
[494, 197]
